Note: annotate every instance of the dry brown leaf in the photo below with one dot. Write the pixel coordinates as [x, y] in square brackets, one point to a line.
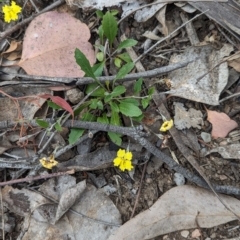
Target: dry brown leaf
[182, 207]
[221, 124]
[234, 61]
[49, 45]
[13, 52]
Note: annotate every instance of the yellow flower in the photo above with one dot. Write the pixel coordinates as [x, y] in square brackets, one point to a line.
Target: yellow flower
[11, 12]
[123, 160]
[166, 126]
[49, 162]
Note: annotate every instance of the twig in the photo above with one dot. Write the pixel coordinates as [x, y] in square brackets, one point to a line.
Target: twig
[26, 21]
[228, 97]
[3, 222]
[133, 76]
[29, 179]
[139, 190]
[161, 40]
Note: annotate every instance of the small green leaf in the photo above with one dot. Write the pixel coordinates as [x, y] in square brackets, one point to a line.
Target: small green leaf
[97, 93]
[114, 12]
[110, 28]
[58, 126]
[114, 107]
[115, 119]
[83, 62]
[108, 98]
[88, 117]
[138, 86]
[130, 100]
[139, 118]
[127, 43]
[117, 62]
[145, 102]
[42, 123]
[93, 104]
[103, 119]
[115, 138]
[99, 14]
[53, 105]
[83, 106]
[101, 34]
[151, 91]
[75, 134]
[98, 69]
[129, 109]
[117, 91]
[100, 56]
[124, 70]
[100, 105]
[125, 57]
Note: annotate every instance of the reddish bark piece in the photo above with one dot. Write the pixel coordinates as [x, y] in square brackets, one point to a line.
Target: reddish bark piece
[59, 101]
[221, 124]
[49, 44]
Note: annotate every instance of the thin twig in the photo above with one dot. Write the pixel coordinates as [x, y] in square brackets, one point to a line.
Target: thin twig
[3, 222]
[139, 190]
[29, 179]
[133, 76]
[163, 39]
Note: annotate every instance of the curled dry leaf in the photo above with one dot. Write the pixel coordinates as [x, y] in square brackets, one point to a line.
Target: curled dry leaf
[49, 44]
[221, 124]
[180, 208]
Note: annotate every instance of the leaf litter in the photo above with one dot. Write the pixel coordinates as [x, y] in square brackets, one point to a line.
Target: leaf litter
[201, 81]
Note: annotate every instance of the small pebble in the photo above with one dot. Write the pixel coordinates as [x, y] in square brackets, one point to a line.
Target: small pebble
[223, 177]
[179, 179]
[184, 233]
[196, 233]
[206, 137]
[149, 180]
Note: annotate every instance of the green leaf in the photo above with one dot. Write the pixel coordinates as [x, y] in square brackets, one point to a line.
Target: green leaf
[42, 123]
[103, 119]
[139, 118]
[124, 70]
[114, 107]
[117, 62]
[130, 100]
[99, 14]
[125, 57]
[93, 104]
[138, 86]
[97, 93]
[151, 91]
[101, 34]
[83, 106]
[53, 105]
[75, 134]
[117, 91]
[83, 62]
[129, 109]
[88, 117]
[58, 126]
[127, 43]
[115, 119]
[145, 102]
[100, 105]
[108, 98]
[110, 28]
[114, 12]
[115, 138]
[98, 69]
[100, 56]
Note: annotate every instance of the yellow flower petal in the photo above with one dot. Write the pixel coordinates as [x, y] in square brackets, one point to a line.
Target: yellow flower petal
[128, 165]
[121, 153]
[128, 156]
[48, 163]
[122, 166]
[117, 161]
[166, 125]
[11, 12]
